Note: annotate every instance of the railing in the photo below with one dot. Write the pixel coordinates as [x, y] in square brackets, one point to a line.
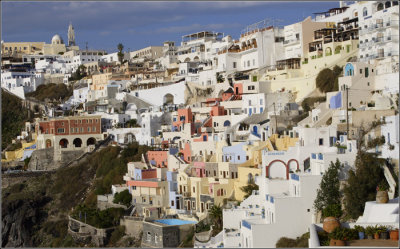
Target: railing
[291, 41]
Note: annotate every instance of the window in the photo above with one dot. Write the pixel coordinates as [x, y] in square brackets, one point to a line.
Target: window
[234, 65]
[194, 190]
[248, 63]
[60, 130]
[360, 71]
[321, 141]
[72, 130]
[254, 62]
[81, 129]
[88, 129]
[76, 129]
[172, 203]
[134, 187]
[94, 128]
[365, 11]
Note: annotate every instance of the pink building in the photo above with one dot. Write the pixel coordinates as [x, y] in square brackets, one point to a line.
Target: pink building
[158, 158]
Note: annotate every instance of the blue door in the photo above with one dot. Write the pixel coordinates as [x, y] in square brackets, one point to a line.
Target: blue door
[255, 129]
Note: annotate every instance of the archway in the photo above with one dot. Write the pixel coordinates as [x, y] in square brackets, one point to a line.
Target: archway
[129, 138]
[227, 123]
[77, 142]
[388, 4]
[276, 170]
[196, 58]
[48, 143]
[380, 7]
[328, 51]
[294, 166]
[91, 141]
[168, 99]
[64, 143]
[187, 60]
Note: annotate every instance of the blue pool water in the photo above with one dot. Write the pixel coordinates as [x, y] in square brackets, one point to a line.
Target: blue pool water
[175, 222]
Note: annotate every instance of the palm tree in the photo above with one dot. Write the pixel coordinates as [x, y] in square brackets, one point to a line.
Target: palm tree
[216, 215]
[120, 47]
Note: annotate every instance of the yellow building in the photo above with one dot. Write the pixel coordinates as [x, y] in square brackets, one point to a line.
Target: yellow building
[12, 48]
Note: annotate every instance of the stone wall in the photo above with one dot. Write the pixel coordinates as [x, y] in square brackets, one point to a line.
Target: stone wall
[43, 160]
[85, 233]
[133, 226]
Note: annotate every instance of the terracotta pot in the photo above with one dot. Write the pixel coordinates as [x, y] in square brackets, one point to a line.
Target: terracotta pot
[394, 235]
[376, 236]
[330, 223]
[382, 197]
[336, 242]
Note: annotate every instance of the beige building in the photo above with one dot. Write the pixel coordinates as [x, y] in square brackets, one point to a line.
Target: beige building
[151, 52]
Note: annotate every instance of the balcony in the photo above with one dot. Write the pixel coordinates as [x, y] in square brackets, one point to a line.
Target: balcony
[291, 42]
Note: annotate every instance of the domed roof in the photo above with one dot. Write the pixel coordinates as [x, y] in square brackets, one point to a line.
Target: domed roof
[56, 39]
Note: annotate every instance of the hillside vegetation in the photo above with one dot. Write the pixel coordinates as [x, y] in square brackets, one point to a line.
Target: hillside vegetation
[35, 212]
[13, 117]
[51, 91]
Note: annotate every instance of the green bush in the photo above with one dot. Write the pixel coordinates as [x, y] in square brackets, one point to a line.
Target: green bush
[342, 233]
[301, 241]
[308, 103]
[123, 197]
[51, 91]
[333, 210]
[327, 79]
[13, 118]
[101, 219]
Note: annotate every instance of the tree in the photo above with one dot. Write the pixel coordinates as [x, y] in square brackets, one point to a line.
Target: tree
[361, 184]
[216, 216]
[123, 197]
[329, 189]
[220, 78]
[120, 47]
[327, 79]
[248, 189]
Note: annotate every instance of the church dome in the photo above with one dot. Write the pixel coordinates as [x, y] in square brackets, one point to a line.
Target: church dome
[56, 39]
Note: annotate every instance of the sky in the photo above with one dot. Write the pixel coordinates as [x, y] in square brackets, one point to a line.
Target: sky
[140, 24]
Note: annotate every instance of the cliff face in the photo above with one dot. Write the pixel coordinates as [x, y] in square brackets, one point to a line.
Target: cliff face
[20, 218]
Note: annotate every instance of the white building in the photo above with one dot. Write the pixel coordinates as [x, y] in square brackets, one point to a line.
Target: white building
[20, 83]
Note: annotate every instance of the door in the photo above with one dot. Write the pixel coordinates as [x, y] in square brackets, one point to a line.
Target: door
[202, 207]
[255, 129]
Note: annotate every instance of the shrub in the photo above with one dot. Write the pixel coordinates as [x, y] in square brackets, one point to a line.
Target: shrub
[333, 210]
[359, 228]
[301, 241]
[117, 234]
[124, 198]
[346, 234]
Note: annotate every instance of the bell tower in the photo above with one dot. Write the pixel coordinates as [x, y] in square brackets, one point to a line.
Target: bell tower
[71, 35]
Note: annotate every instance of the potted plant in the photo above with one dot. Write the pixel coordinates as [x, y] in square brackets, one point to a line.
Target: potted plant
[394, 234]
[384, 234]
[382, 192]
[331, 214]
[369, 231]
[337, 237]
[376, 232]
[361, 231]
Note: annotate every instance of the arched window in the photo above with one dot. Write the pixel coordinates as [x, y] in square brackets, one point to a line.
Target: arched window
[394, 3]
[365, 11]
[227, 123]
[388, 4]
[380, 7]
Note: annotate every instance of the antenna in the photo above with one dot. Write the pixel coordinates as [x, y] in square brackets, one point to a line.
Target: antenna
[86, 46]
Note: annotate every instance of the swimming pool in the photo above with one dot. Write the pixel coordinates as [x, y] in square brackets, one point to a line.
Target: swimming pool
[175, 222]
